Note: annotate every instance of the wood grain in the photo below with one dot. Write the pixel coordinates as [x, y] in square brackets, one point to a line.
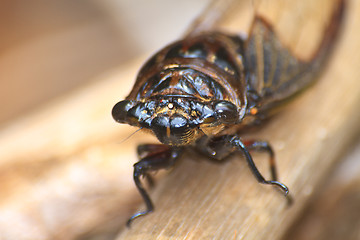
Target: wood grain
[202, 200]
[333, 212]
[66, 171]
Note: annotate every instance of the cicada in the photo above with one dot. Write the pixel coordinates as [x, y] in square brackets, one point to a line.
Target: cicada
[204, 90]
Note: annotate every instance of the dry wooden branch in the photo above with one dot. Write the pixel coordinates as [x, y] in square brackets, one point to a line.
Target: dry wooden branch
[201, 200]
[64, 171]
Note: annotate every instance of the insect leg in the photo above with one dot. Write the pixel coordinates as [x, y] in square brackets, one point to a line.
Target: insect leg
[146, 150]
[254, 145]
[239, 145]
[163, 158]
[222, 146]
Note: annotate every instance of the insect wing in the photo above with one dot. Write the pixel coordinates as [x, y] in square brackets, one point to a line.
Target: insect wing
[274, 73]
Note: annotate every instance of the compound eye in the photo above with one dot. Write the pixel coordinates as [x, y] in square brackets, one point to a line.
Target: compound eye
[226, 112]
[120, 110]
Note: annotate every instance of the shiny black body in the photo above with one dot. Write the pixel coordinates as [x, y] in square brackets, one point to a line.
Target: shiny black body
[198, 92]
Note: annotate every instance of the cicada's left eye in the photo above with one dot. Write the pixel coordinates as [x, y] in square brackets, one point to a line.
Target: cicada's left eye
[120, 110]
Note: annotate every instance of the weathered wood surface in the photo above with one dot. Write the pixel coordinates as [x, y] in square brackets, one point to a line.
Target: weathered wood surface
[333, 212]
[202, 200]
[66, 172]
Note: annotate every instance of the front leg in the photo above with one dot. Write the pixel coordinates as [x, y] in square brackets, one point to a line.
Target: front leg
[222, 146]
[153, 157]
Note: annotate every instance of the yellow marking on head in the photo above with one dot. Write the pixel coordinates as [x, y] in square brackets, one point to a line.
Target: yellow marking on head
[229, 70]
[212, 58]
[171, 66]
[211, 131]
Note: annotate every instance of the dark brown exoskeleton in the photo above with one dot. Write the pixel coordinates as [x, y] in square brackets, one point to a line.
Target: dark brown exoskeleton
[198, 92]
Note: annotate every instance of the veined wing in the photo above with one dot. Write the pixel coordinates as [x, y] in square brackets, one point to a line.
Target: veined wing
[273, 72]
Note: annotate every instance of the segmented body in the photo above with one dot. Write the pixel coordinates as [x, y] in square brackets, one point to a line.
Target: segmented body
[208, 67]
[192, 90]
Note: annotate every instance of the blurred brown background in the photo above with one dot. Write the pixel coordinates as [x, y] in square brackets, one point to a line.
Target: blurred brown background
[48, 47]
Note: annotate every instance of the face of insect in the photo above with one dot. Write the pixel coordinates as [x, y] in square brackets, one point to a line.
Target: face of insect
[176, 120]
[186, 90]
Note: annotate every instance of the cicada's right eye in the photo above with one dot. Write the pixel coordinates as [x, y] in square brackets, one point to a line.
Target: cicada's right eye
[226, 112]
[120, 110]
